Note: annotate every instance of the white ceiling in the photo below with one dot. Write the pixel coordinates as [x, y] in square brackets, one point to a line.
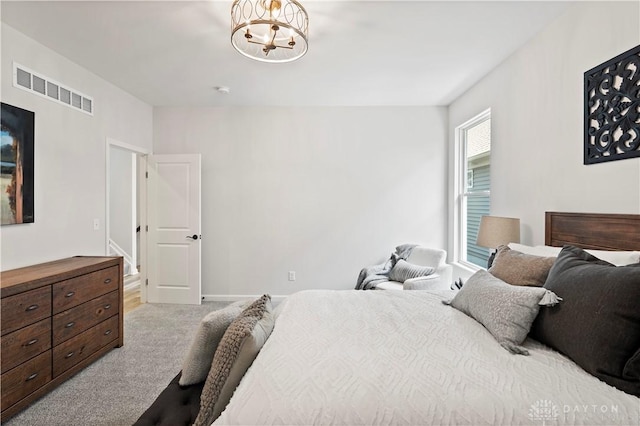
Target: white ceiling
[360, 53]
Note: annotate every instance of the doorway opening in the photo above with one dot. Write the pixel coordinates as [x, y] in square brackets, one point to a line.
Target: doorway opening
[125, 216]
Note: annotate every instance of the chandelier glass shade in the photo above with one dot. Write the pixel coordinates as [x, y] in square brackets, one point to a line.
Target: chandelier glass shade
[269, 30]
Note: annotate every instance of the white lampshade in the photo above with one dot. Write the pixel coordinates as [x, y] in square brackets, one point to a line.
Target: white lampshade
[495, 231]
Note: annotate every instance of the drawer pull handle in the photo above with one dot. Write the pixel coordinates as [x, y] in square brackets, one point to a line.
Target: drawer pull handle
[108, 332]
[107, 306]
[69, 355]
[32, 308]
[69, 325]
[31, 377]
[107, 281]
[71, 293]
[31, 342]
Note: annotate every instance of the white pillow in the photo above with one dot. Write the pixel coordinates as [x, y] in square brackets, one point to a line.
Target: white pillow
[544, 251]
[618, 258]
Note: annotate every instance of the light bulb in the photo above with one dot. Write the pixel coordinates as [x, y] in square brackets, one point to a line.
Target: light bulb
[272, 6]
[275, 6]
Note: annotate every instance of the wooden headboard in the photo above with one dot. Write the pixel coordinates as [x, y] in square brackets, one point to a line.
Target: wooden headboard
[593, 230]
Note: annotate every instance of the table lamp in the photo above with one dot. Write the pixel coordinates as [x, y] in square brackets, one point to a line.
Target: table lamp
[496, 231]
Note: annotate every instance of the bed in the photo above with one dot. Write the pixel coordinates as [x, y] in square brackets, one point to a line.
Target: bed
[406, 358]
[366, 358]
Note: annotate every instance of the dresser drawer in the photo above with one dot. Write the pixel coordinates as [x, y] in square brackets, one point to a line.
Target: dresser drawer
[72, 292]
[26, 378]
[81, 346]
[25, 308]
[25, 343]
[76, 320]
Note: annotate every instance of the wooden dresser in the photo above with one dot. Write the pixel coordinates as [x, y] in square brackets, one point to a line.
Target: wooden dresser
[56, 318]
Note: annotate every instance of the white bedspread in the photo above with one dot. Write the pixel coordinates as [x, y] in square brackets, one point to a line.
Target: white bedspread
[402, 357]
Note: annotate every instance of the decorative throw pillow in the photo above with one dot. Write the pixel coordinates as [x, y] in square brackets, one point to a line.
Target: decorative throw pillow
[197, 363]
[598, 324]
[238, 348]
[404, 270]
[506, 311]
[518, 268]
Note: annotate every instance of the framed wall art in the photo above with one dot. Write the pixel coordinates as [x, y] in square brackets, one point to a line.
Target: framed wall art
[612, 109]
[16, 165]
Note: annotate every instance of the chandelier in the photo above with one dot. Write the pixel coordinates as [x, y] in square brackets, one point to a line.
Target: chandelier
[269, 30]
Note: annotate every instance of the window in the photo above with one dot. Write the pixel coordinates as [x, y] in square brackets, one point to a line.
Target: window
[474, 186]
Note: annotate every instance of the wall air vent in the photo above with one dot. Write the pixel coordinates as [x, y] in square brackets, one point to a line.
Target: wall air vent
[36, 83]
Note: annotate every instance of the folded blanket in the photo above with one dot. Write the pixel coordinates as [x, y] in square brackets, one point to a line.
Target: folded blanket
[370, 276]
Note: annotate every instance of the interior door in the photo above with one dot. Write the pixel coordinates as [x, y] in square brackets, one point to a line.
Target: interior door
[173, 212]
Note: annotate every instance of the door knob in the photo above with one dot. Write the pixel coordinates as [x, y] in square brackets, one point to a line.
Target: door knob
[193, 237]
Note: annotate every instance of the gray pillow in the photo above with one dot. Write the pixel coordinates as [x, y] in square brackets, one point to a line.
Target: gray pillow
[598, 326]
[506, 311]
[238, 348]
[197, 363]
[404, 270]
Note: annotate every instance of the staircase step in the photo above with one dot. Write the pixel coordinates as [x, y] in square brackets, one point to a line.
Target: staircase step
[130, 279]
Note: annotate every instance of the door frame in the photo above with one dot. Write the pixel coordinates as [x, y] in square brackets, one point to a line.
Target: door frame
[141, 154]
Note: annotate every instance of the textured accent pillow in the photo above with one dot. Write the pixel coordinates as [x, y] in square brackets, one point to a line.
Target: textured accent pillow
[506, 311]
[404, 270]
[598, 324]
[197, 363]
[238, 348]
[517, 268]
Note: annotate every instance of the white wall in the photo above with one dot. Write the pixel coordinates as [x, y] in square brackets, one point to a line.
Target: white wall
[536, 99]
[70, 152]
[320, 191]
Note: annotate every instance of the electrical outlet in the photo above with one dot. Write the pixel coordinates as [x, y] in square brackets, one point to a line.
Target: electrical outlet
[96, 224]
[292, 275]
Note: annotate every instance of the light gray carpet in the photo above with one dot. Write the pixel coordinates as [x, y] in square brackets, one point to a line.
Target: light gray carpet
[119, 387]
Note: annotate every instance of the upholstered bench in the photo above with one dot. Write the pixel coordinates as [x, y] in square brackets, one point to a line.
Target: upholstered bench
[175, 406]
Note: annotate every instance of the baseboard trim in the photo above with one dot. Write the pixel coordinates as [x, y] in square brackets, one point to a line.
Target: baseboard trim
[236, 297]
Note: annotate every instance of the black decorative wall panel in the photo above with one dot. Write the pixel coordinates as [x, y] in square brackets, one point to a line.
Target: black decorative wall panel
[612, 109]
